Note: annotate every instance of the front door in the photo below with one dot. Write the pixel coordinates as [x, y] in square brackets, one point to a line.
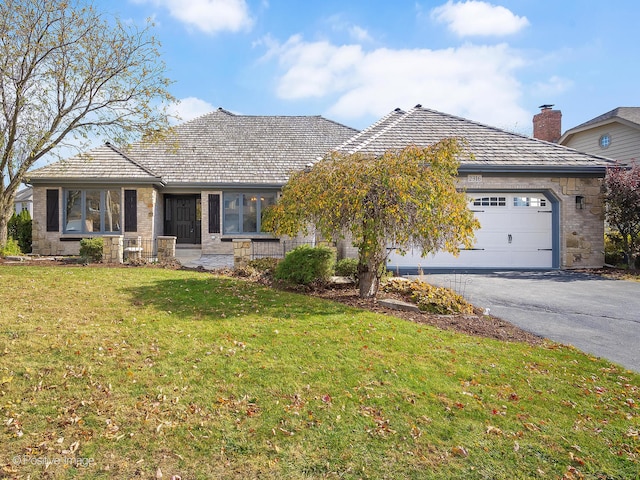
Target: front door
[182, 219]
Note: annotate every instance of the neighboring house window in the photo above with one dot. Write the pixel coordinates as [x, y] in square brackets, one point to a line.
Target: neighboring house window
[53, 211]
[130, 210]
[243, 211]
[96, 211]
[605, 140]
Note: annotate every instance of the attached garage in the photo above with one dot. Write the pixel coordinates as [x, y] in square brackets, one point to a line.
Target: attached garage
[540, 205]
[516, 232]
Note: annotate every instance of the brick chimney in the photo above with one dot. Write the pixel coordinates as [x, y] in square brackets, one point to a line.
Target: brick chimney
[547, 125]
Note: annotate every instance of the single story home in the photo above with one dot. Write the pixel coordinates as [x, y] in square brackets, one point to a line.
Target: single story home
[205, 184]
[540, 204]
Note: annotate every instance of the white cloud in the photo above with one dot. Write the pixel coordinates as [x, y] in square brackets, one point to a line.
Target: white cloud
[553, 86]
[359, 34]
[476, 82]
[475, 17]
[209, 16]
[190, 108]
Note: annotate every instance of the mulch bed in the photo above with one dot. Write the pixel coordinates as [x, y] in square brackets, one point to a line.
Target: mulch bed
[477, 324]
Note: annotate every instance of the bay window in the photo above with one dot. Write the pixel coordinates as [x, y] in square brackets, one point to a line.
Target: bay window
[92, 211]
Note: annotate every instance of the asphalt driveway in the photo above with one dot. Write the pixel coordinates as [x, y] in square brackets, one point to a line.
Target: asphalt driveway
[597, 315]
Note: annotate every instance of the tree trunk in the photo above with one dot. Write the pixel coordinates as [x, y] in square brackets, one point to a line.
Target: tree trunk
[368, 282]
[5, 216]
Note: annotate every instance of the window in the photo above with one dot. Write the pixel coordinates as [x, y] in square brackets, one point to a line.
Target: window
[529, 202]
[92, 211]
[242, 212]
[605, 140]
[490, 202]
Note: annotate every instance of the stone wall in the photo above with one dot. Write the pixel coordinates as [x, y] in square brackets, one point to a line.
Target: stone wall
[59, 243]
[113, 249]
[166, 248]
[581, 230]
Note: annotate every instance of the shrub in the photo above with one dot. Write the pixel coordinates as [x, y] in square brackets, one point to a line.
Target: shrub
[305, 265]
[91, 249]
[19, 228]
[11, 248]
[429, 298]
[266, 265]
[347, 267]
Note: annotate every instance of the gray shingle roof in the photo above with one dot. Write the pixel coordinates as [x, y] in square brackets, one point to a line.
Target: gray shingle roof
[492, 148]
[219, 148]
[630, 114]
[103, 163]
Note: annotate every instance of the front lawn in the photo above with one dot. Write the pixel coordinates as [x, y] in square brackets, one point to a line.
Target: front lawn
[149, 373]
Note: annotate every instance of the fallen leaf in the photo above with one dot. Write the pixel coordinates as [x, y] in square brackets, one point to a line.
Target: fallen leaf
[459, 451]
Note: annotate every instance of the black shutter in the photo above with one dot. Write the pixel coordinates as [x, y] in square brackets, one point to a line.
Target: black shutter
[214, 213]
[53, 211]
[130, 210]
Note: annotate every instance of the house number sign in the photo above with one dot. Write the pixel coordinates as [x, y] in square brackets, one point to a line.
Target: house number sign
[474, 178]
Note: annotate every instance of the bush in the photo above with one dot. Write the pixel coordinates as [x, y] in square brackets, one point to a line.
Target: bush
[429, 298]
[19, 228]
[305, 265]
[11, 248]
[614, 253]
[347, 267]
[266, 265]
[91, 249]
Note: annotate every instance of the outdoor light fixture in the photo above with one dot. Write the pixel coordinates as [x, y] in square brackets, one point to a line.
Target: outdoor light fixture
[579, 202]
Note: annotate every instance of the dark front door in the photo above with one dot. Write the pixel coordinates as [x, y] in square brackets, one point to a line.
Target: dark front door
[182, 218]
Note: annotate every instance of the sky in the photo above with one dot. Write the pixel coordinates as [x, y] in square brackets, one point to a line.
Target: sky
[354, 61]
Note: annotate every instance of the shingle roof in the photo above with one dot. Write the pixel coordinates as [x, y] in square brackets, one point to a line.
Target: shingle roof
[492, 148]
[219, 148]
[103, 163]
[630, 114]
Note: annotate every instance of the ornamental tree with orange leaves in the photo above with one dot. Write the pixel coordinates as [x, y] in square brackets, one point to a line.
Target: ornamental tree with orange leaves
[406, 198]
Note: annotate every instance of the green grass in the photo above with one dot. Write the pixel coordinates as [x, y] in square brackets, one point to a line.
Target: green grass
[135, 370]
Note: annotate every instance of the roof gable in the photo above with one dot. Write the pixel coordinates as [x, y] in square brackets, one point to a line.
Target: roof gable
[492, 148]
[219, 148]
[102, 164]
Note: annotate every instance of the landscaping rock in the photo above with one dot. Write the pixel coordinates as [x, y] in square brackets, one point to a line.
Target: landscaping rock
[398, 305]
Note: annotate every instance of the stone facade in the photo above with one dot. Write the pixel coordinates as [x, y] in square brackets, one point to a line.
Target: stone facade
[581, 229]
[166, 248]
[113, 249]
[580, 210]
[241, 252]
[60, 243]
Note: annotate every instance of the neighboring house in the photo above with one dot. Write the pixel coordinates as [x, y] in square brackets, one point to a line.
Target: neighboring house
[24, 201]
[206, 184]
[539, 204]
[615, 134]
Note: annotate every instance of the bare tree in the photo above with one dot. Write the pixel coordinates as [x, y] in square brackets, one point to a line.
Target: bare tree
[69, 72]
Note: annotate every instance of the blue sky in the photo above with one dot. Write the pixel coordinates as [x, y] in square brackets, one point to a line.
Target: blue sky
[355, 61]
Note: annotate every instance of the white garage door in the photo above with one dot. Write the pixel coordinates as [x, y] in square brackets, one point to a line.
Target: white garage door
[515, 232]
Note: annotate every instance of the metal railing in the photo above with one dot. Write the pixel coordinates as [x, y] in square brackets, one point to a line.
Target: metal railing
[274, 248]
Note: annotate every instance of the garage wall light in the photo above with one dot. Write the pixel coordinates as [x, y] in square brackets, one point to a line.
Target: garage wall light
[579, 202]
